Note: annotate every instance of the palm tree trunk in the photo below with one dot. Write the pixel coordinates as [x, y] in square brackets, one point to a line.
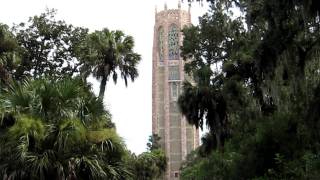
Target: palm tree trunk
[218, 132]
[102, 87]
[219, 142]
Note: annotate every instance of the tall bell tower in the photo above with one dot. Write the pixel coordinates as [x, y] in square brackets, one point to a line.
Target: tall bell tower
[178, 138]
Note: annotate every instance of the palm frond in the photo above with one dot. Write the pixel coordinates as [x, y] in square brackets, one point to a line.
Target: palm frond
[91, 166]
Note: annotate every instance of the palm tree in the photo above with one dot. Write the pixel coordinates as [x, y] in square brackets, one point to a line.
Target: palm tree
[57, 129]
[202, 102]
[107, 53]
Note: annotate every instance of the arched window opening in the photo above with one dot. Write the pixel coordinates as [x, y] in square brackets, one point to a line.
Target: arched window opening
[173, 42]
[161, 44]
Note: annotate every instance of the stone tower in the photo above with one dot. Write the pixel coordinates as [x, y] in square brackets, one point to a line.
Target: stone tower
[178, 138]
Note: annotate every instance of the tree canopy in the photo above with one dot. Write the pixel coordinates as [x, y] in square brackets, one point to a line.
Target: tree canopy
[255, 69]
[52, 126]
[49, 131]
[49, 47]
[109, 53]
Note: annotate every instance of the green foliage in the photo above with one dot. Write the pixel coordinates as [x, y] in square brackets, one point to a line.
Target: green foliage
[72, 132]
[52, 126]
[8, 55]
[108, 53]
[50, 47]
[53, 100]
[148, 165]
[102, 135]
[46, 133]
[154, 143]
[256, 86]
[25, 126]
[214, 166]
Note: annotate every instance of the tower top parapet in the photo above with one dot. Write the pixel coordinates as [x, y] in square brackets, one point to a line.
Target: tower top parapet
[179, 6]
[172, 15]
[175, 12]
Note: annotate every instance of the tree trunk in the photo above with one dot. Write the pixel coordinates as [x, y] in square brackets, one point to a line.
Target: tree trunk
[218, 132]
[218, 139]
[102, 87]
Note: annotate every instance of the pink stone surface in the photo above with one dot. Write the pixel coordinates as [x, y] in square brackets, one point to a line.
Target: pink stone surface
[164, 19]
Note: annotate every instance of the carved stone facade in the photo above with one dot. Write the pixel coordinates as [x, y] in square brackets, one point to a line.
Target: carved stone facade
[178, 138]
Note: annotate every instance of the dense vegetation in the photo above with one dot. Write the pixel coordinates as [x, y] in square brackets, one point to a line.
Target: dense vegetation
[256, 84]
[52, 126]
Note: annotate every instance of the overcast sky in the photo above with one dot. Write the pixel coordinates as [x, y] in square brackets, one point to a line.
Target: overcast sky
[131, 106]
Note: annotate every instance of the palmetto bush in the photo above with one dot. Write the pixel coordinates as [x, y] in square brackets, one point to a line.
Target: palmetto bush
[57, 129]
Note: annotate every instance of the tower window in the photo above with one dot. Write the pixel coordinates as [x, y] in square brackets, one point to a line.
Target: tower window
[174, 88]
[173, 42]
[160, 44]
[174, 73]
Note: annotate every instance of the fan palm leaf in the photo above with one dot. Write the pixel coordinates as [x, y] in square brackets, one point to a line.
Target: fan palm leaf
[48, 136]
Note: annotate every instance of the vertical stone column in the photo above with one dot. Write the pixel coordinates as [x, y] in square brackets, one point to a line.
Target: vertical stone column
[154, 80]
[196, 137]
[181, 71]
[166, 98]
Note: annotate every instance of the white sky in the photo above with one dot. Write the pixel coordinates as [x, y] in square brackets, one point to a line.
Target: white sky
[131, 106]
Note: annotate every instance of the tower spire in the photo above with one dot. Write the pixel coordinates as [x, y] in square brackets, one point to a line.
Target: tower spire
[179, 4]
[165, 6]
